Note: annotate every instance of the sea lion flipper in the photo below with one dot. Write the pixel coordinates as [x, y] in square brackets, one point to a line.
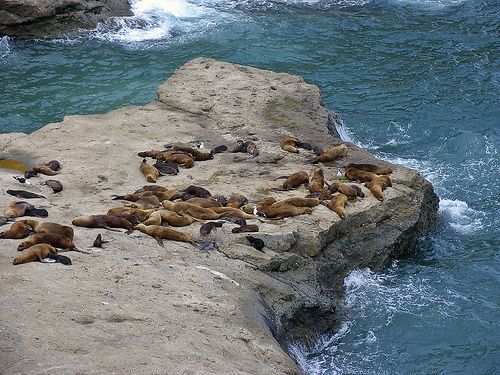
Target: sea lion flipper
[159, 240]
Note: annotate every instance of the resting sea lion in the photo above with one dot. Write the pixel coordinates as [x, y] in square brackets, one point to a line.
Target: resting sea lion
[60, 259]
[337, 205]
[147, 202]
[162, 233]
[21, 208]
[358, 190]
[348, 190]
[150, 172]
[3, 220]
[204, 202]
[289, 144]
[176, 220]
[333, 187]
[370, 168]
[376, 186]
[177, 157]
[98, 242]
[53, 239]
[198, 191]
[50, 227]
[154, 218]
[234, 211]
[149, 154]
[333, 153]
[256, 242]
[196, 154]
[151, 188]
[54, 184]
[45, 170]
[54, 165]
[246, 228]
[184, 208]
[236, 220]
[206, 228]
[104, 221]
[23, 194]
[123, 211]
[16, 231]
[282, 211]
[359, 175]
[236, 200]
[296, 179]
[317, 182]
[166, 167]
[35, 252]
[220, 149]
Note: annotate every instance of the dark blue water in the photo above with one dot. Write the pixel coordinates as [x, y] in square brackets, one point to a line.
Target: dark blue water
[417, 82]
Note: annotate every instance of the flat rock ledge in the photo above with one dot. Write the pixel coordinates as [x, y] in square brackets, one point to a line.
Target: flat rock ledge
[135, 307]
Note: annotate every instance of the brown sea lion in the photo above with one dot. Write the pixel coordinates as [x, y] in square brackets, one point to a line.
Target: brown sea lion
[370, 168]
[197, 155]
[234, 211]
[295, 180]
[235, 219]
[289, 144]
[358, 190]
[299, 202]
[54, 184]
[154, 218]
[63, 259]
[36, 252]
[198, 191]
[151, 188]
[246, 228]
[285, 210]
[337, 205]
[348, 190]
[50, 227]
[377, 186]
[166, 167]
[162, 233]
[53, 239]
[184, 208]
[317, 182]
[359, 175]
[239, 146]
[16, 231]
[21, 208]
[150, 172]
[333, 153]
[104, 221]
[54, 165]
[236, 200]
[251, 149]
[333, 187]
[205, 202]
[98, 242]
[23, 194]
[29, 174]
[119, 211]
[206, 228]
[149, 154]
[45, 170]
[3, 220]
[176, 220]
[177, 157]
[146, 202]
[133, 197]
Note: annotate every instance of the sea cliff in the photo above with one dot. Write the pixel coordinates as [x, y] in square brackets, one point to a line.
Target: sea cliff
[220, 306]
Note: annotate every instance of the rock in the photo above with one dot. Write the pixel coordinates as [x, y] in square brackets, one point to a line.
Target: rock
[42, 18]
[222, 308]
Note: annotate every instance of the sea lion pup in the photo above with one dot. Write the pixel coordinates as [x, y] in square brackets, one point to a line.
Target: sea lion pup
[150, 172]
[133, 197]
[119, 211]
[235, 219]
[206, 228]
[53, 239]
[289, 144]
[29, 174]
[21, 208]
[45, 170]
[3, 220]
[359, 175]
[204, 202]
[333, 187]
[376, 186]
[197, 155]
[16, 231]
[54, 165]
[50, 227]
[239, 146]
[149, 154]
[198, 191]
[184, 208]
[246, 228]
[98, 242]
[54, 184]
[162, 233]
[348, 191]
[146, 202]
[251, 149]
[337, 205]
[234, 211]
[174, 219]
[295, 180]
[285, 210]
[256, 242]
[23, 194]
[104, 221]
[236, 200]
[370, 168]
[166, 167]
[298, 202]
[177, 157]
[151, 188]
[332, 154]
[63, 259]
[317, 182]
[220, 149]
[358, 190]
[36, 252]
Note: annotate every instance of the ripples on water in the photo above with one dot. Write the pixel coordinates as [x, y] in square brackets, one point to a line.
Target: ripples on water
[417, 82]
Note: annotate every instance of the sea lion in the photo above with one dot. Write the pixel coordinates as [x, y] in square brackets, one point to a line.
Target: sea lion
[333, 187]
[282, 211]
[235, 219]
[220, 149]
[317, 182]
[184, 208]
[295, 180]
[239, 146]
[54, 184]
[236, 200]
[149, 154]
[289, 144]
[359, 175]
[348, 190]
[151, 188]
[162, 233]
[133, 197]
[54, 165]
[370, 168]
[204, 202]
[21, 208]
[16, 231]
[166, 167]
[358, 190]
[177, 157]
[198, 191]
[176, 220]
[206, 228]
[154, 218]
[251, 149]
[50, 227]
[45, 170]
[333, 153]
[53, 239]
[98, 242]
[60, 259]
[29, 174]
[104, 221]
[234, 211]
[337, 205]
[150, 172]
[256, 242]
[377, 186]
[197, 155]
[36, 252]
[246, 228]
[298, 202]
[146, 202]
[3, 220]
[123, 211]
[23, 194]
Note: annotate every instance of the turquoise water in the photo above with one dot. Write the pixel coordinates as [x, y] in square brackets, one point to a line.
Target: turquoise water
[416, 82]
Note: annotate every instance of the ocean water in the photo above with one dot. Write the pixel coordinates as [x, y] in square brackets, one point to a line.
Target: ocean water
[416, 82]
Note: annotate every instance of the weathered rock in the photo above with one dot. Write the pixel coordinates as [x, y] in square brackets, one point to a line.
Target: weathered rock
[225, 308]
[41, 18]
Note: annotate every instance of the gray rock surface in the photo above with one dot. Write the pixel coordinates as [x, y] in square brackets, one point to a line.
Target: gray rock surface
[135, 307]
[42, 18]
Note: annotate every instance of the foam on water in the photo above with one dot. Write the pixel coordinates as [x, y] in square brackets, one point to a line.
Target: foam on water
[460, 216]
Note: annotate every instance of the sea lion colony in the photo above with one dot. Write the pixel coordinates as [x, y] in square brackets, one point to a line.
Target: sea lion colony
[153, 209]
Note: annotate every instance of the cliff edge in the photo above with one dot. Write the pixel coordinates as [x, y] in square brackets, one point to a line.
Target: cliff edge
[220, 306]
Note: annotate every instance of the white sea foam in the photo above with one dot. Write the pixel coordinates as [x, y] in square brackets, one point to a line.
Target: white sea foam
[460, 216]
[4, 47]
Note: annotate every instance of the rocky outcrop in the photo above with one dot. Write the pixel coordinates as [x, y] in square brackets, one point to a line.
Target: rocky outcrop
[222, 307]
[42, 18]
